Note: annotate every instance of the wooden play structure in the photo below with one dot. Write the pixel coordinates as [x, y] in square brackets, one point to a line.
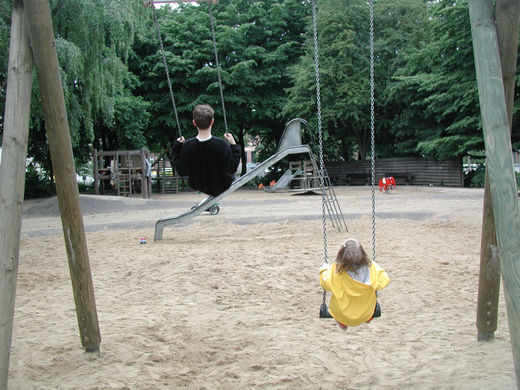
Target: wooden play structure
[32, 44]
[301, 176]
[304, 176]
[123, 173]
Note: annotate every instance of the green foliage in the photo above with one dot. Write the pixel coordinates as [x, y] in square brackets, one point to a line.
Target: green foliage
[93, 55]
[117, 95]
[37, 183]
[131, 121]
[94, 43]
[438, 84]
[257, 42]
[344, 58]
[344, 81]
[476, 178]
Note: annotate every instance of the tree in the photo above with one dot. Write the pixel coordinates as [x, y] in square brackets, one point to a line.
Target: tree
[344, 56]
[94, 41]
[438, 85]
[256, 40]
[402, 27]
[344, 77]
[94, 55]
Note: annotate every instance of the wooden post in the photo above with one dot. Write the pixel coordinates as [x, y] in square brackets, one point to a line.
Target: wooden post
[144, 179]
[507, 14]
[489, 273]
[12, 174]
[148, 173]
[51, 92]
[502, 181]
[117, 173]
[95, 174]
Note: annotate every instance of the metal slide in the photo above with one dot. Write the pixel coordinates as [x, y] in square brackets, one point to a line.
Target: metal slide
[259, 169]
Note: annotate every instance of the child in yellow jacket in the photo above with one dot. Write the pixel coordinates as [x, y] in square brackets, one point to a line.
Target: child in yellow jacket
[353, 280]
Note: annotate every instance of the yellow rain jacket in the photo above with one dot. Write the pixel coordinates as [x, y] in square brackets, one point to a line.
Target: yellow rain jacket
[352, 302]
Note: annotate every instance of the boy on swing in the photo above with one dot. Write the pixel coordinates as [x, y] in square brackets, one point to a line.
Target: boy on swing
[353, 280]
[209, 162]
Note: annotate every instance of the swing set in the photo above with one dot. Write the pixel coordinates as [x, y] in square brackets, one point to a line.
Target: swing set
[32, 45]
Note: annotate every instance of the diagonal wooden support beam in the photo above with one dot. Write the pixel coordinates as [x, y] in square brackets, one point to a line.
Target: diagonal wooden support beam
[499, 161]
[58, 136]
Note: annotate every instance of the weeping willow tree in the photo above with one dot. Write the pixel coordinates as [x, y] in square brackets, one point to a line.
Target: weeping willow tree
[94, 43]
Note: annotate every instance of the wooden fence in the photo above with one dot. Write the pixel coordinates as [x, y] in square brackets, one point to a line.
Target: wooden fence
[406, 170]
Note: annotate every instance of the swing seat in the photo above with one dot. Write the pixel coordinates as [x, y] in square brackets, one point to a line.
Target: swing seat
[377, 311]
[324, 311]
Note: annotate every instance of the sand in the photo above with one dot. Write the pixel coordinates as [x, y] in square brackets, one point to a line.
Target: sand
[231, 301]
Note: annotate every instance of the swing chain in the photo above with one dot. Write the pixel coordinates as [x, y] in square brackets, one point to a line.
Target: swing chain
[167, 71]
[372, 129]
[320, 131]
[218, 66]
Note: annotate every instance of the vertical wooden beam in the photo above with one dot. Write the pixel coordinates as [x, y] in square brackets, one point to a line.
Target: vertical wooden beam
[502, 181]
[144, 178]
[12, 174]
[95, 174]
[58, 136]
[489, 272]
[507, 14]
[117, 173]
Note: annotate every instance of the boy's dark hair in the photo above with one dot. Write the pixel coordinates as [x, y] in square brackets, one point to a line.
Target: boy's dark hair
[351, 256]
[203, 115]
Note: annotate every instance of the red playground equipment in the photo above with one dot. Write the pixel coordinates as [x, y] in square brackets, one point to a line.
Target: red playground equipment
[386, 183]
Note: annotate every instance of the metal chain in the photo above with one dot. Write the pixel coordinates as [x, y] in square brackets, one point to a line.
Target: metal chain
[320, 137]
[320, 131]
[372, 129]
[167, 71]
[218, 66]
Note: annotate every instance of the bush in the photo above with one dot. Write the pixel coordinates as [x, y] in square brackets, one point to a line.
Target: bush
[37, 185]
[475, 178]
[85, 188]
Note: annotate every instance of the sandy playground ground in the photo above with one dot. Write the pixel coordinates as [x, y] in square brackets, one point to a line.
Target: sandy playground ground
[231, 301]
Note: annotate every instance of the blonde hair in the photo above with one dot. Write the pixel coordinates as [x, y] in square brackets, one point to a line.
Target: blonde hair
[351, 256]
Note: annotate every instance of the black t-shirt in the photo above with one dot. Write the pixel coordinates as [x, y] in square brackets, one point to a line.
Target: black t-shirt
[210, 164]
